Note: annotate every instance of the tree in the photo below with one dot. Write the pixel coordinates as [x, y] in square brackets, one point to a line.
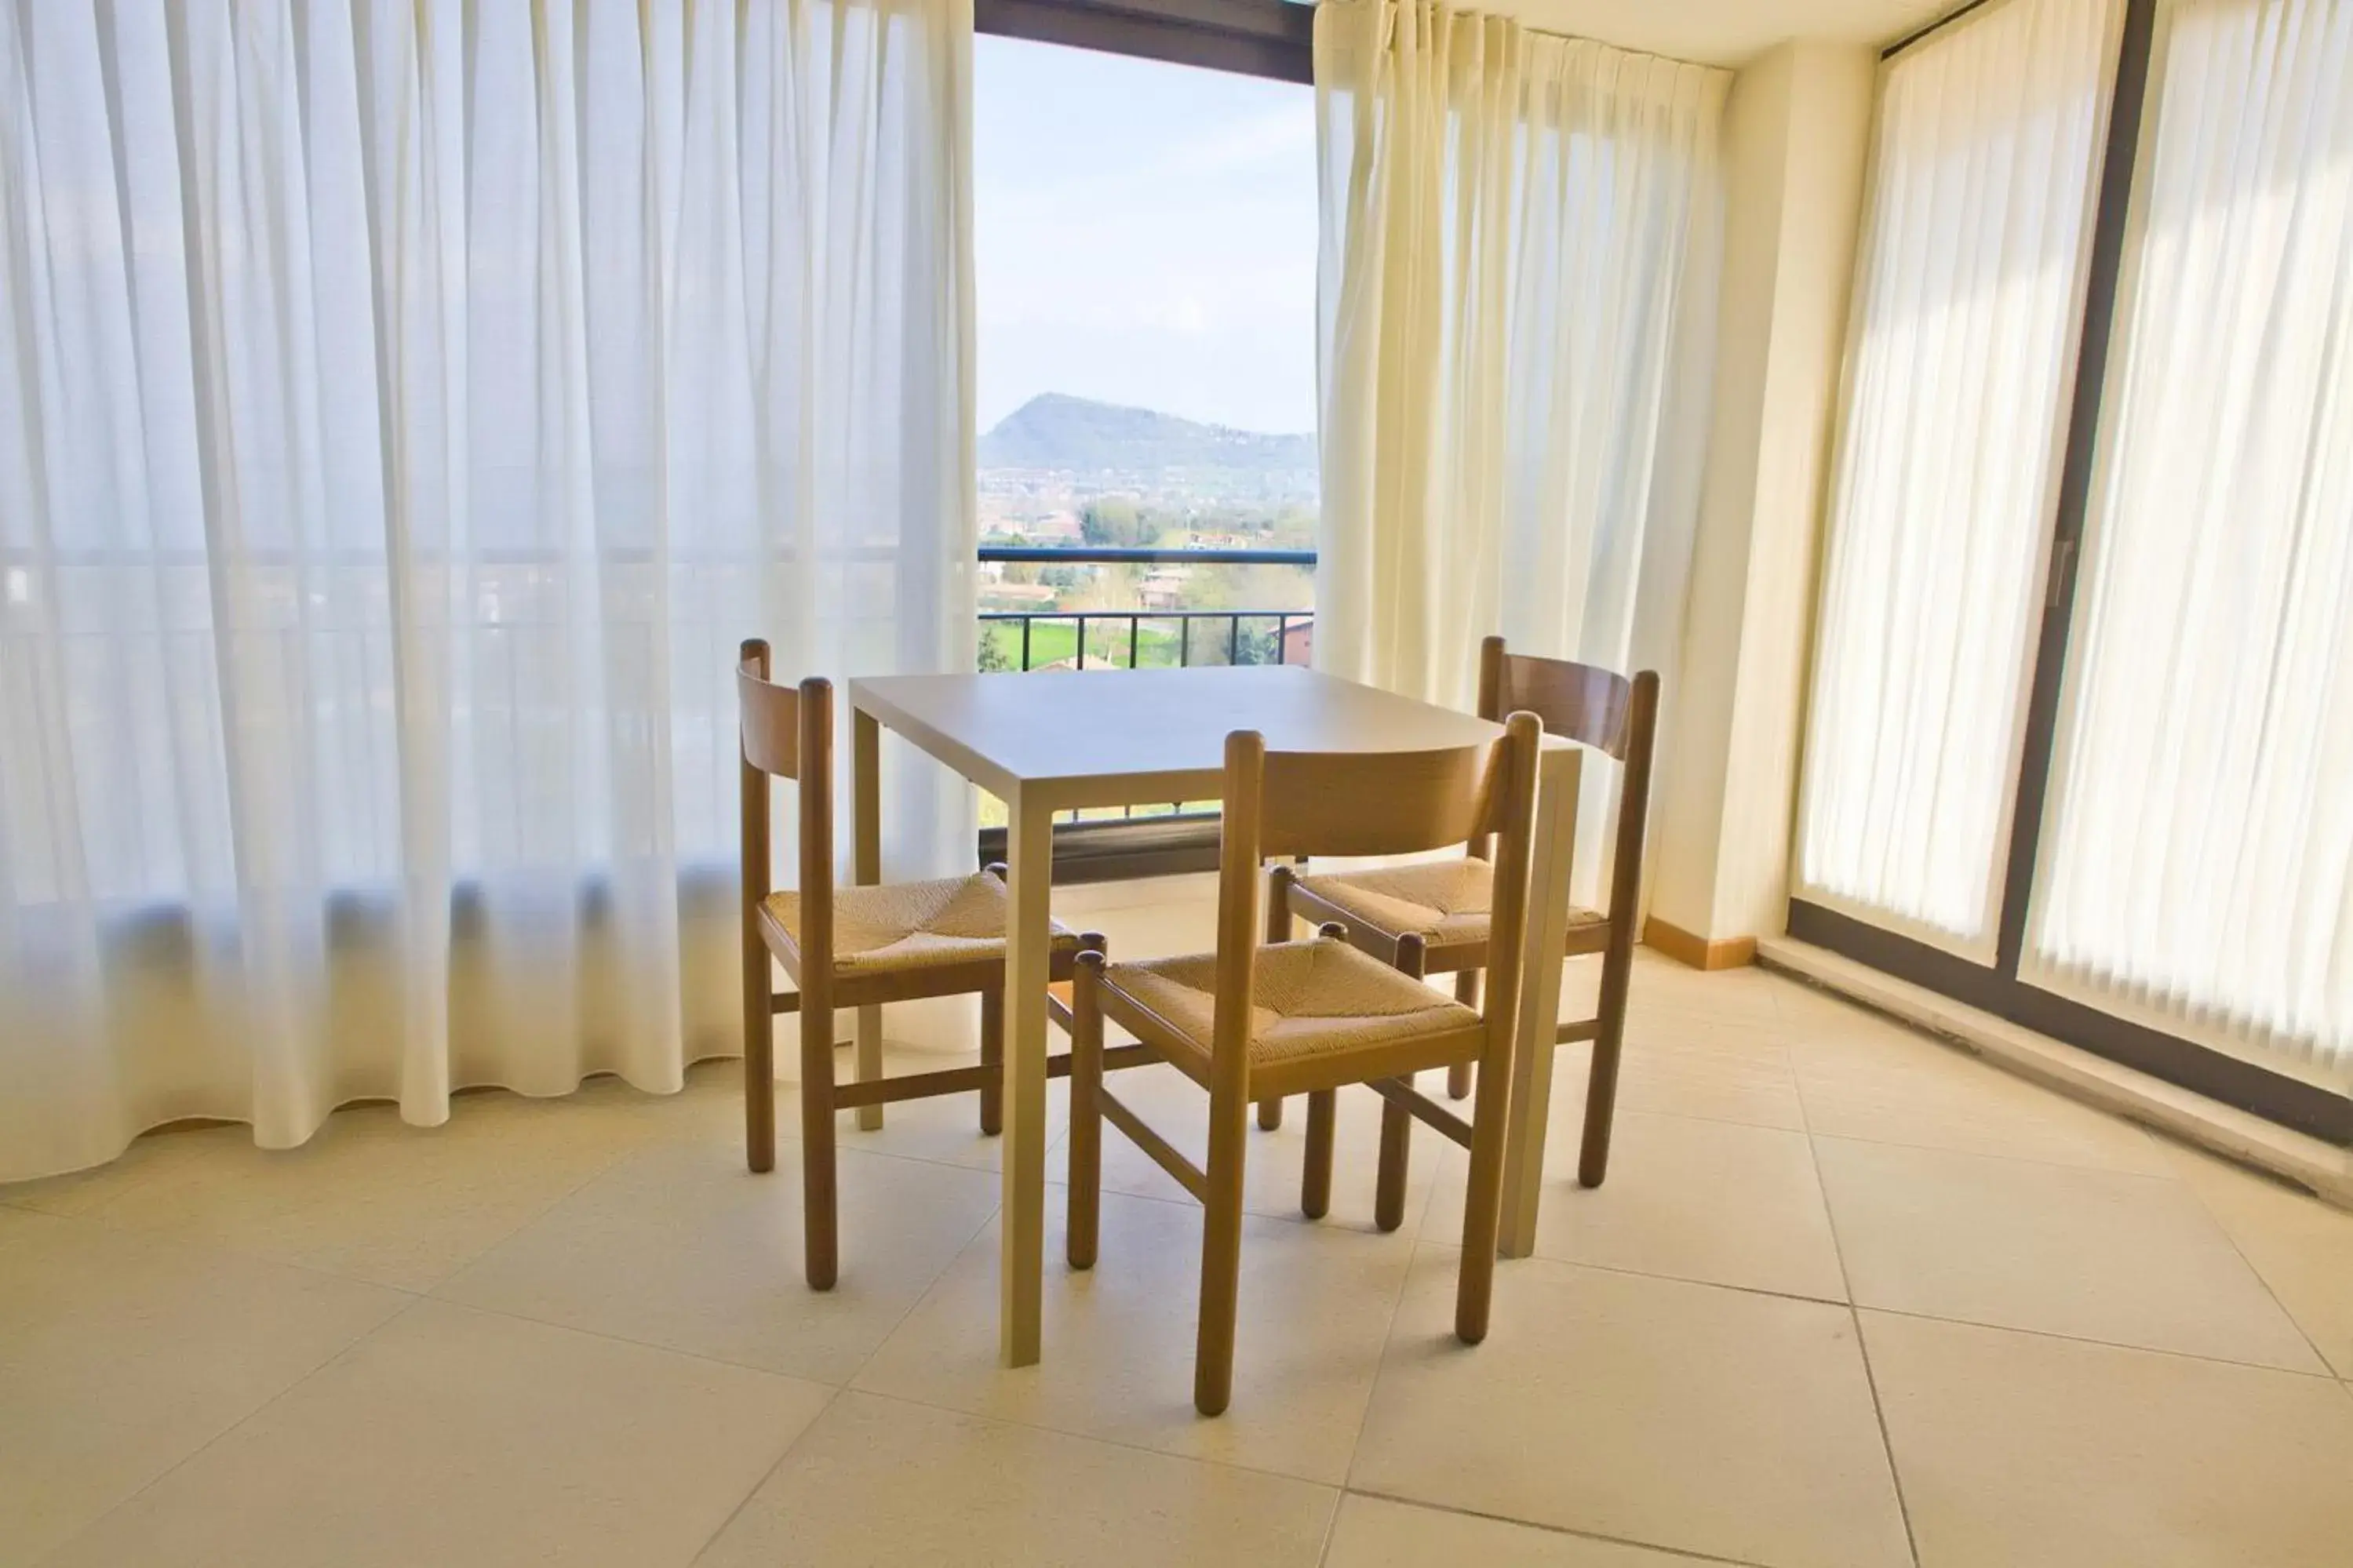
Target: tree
[1116, 522]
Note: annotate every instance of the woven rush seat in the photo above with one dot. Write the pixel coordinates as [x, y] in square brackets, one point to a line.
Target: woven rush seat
[912, 925]
[1444, 902]
[1308, 999]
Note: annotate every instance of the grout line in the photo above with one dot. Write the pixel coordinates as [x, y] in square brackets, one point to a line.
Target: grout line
[1570, 1531]
[1863, 1352]
[851, 1385]
[1128, 1445]
[832, 1398]
[2230, 1236]
[2324, 1375]
[1373, 1386]
[932, 1287]
[1622, 1271]
[2163, 1176]
[160, 1477]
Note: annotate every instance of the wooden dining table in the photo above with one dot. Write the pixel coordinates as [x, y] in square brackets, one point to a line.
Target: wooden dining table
[1045, 744]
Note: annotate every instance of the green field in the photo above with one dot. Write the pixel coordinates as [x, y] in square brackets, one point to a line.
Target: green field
[1054, 641]
[1051, 642]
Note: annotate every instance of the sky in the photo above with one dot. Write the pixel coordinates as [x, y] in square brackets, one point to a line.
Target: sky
[1143, 234]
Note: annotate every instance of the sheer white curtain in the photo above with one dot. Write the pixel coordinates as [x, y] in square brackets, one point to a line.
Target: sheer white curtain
[1967, 299]
[1518, 276]
[404, 407]
[2198, 860]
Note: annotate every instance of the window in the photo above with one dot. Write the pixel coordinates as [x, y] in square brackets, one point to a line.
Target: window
[1145, 259]
[1967, 296]
[2116, 812]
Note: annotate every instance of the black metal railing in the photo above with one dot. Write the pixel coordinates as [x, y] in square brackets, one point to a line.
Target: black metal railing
[1147, 840]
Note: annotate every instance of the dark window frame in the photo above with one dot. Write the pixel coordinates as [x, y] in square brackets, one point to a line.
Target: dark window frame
[1999, 989]
[1273, 39]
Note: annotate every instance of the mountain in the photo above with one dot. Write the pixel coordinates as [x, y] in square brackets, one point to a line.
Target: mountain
[1057, 432]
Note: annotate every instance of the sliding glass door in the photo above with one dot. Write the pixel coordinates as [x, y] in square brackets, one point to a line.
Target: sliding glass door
[2195, 865]
[1968, 294]
[2116, 805]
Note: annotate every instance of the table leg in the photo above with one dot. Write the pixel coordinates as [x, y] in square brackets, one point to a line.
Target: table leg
[1552, 855]
[1029, 874]
[865, 871]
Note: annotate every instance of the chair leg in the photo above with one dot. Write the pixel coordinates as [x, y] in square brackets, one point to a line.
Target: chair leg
[1315, 1183]
[1601, 1094]
[759, 1076]
[820, 1232]
[1482, 1208]
[1277, 928]
[1459, 1075]
[1221, 1253]
[1388, 1190]
[1397, 1122]
[867, 1045]
[1086, 1115]
[992, 1054]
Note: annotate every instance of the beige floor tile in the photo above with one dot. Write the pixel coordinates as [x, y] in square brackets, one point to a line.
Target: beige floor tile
[1721, 1073]
[1178, 1109]
[945, 1129]
[2017, 1450]
[883, 1483]
[681, 1246]
[2301, 1247]
[1675, 1414]
[1885, 1084]
[1185, 924]
[371, 1196]
[1375, 1533]
[77, 1193]
[1747, 994]
[2096, 1254]
[1712, 1200]
[122, 1355]
[1118, 1362]
[451, 1436]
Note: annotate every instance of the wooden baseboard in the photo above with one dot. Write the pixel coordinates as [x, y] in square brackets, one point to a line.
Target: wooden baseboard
[1697, 951]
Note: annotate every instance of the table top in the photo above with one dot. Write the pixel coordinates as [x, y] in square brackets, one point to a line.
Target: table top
[1129, 737]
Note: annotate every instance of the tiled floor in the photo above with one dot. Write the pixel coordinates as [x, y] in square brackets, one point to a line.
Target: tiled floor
[1849, 1297]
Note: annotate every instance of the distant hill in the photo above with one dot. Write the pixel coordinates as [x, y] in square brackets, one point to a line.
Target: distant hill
[1075, 434]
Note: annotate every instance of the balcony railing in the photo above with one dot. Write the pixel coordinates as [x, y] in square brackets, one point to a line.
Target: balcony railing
[1138, 841]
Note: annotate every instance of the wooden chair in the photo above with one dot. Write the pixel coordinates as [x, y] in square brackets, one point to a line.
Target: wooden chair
[1433, 918]
[852, 947]
[1252, 1020]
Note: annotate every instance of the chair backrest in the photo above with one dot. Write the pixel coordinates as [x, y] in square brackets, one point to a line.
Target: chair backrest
[1396, 803]
[788, 733]
[1597, 708]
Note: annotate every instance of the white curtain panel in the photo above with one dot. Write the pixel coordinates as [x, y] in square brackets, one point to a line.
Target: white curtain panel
[406, 405]
[2197, 862]
[1966, 300]
[1517, 277]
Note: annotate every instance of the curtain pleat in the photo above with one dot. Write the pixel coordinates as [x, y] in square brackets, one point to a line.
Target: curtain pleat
[406, 406]
[1516, 281]
[1966, 301]
[2197, 864]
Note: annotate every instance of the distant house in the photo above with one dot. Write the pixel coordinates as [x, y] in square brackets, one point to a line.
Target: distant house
[1299, 642]
[1162, 588]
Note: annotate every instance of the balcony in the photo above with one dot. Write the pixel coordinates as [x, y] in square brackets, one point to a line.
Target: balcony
[1081, 625]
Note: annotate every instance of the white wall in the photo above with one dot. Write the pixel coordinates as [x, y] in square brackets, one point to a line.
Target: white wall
[1797, 131]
